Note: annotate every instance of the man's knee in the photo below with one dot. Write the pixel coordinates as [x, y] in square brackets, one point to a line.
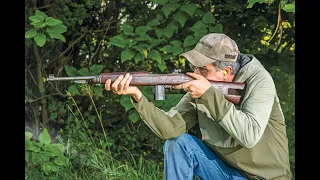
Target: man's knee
[177, 142]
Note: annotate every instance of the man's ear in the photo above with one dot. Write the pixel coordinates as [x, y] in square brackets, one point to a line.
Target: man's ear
[227, 70]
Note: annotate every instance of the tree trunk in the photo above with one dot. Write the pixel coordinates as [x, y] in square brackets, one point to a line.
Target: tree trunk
[35, 110]
[43, 103]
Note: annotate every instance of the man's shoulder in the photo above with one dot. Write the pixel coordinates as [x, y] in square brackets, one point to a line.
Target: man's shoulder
[253, 70]
[255, 66]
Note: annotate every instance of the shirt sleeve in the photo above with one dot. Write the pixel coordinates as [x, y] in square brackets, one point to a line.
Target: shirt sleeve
[169, 124]
[247, 124]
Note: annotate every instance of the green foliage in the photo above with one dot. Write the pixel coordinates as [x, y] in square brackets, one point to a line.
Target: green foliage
[44, 28]
[44, 154]
[153, 40]
[288, 7]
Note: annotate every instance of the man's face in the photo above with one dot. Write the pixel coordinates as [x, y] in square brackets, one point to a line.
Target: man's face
[209, 72]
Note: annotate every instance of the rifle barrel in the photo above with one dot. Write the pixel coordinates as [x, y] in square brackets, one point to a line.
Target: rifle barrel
[52, 78]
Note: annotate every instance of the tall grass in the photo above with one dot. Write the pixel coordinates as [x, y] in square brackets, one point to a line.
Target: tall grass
[94, 161]
[101, 166]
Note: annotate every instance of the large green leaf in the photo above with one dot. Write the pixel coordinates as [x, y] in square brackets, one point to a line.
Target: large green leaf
[159, 32]
[162, 66]
[170, 29]
[138, 57]
[134, 116]
[28, 135]
[208, 18]
[168, 32]
[127, 54]
[190, 41]
[166, 56]
[252, 2]
[289, 8]
[45, 137]
[176, 42]
[126, 102]
[216, 29]
[200, 32]
[198, 13]
[30, 33]
[36, 19]
[283, 3]
[50, 21]
[39, 25]
[189, 8]
[173, 26]
[40, 13]
[153, 22]
[159, 17]
[32, 146]
[96, 69]
[73, 90]
[141, 30]
[128, 30]
[198, 26]
[177, 50]
[144, 37]
[55, 35]
[98, 91]
[40, 39]
[84, 72]
[54, 149]
[155, 55]
[155, 42]
[118, 40]
[60, 28]
[181, 17]
[140, 47]
[168, 8]
[71, 71]
[131, 42]
[166, 48]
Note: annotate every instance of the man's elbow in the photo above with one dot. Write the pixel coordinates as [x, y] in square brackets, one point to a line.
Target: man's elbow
[170, 136]
[250, 143]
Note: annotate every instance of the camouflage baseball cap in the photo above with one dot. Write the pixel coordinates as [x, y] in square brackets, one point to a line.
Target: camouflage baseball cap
[212, 47]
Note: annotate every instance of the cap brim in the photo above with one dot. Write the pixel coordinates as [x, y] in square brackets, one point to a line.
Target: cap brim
[197, 59]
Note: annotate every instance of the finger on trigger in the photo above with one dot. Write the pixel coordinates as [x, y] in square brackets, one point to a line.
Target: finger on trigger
[176, 86]
[194, 75]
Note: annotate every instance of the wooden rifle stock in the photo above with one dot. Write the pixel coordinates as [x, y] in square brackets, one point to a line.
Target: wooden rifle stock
[231, 90]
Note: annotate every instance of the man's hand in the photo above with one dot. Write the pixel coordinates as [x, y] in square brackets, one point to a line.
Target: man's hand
[121, 86]
[196, 88]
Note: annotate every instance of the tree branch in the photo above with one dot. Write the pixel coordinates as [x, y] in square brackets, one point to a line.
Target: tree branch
[28, 100]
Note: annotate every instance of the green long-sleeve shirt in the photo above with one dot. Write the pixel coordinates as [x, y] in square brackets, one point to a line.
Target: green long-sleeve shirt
[251, 137]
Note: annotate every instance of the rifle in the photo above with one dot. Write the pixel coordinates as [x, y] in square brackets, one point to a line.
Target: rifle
[231, 90]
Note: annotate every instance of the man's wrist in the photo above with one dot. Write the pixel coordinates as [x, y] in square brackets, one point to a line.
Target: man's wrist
[137, 96]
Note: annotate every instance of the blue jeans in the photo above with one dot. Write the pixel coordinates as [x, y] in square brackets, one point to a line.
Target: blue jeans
[186, 157]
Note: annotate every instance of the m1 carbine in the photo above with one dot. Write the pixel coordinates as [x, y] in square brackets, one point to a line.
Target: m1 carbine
[232, 91]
